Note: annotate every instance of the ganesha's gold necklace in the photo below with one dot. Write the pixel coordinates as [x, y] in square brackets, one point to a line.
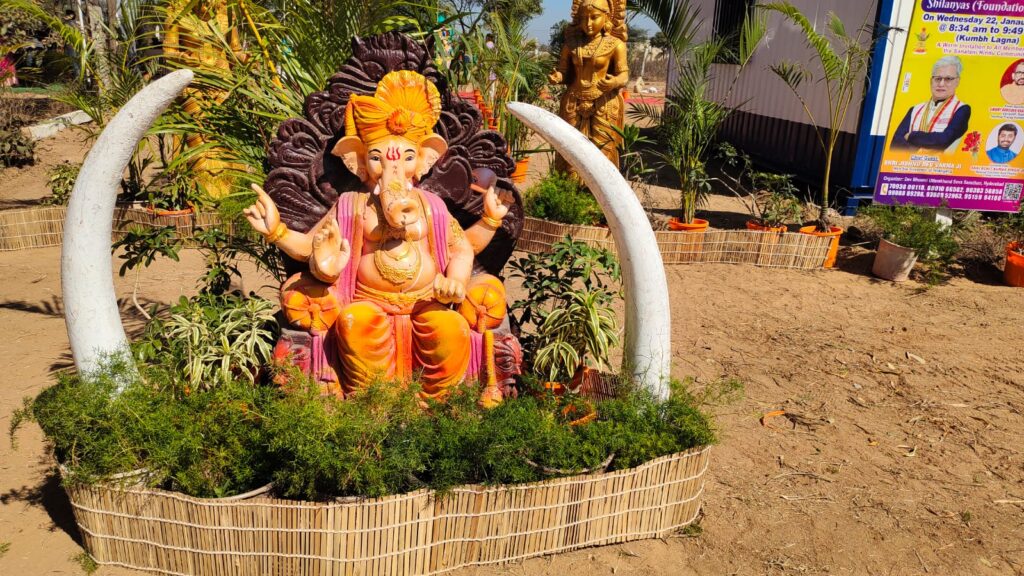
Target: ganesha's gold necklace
[397, 275]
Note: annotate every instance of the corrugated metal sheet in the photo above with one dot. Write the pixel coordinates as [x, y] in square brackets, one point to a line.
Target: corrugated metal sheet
[763, 92]
[772, 125]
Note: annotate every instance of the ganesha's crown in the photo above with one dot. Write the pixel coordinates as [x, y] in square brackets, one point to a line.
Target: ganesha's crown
[405, 104]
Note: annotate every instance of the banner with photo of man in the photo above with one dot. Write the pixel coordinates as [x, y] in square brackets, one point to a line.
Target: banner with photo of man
[957, 126]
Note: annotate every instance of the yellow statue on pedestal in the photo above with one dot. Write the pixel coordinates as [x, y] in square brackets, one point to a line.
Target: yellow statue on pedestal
[594, 66]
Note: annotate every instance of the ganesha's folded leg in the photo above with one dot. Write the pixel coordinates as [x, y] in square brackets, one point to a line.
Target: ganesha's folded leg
[366, 345]
[440, 347]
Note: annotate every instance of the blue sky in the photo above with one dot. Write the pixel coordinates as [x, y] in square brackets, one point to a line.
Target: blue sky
[555, 10]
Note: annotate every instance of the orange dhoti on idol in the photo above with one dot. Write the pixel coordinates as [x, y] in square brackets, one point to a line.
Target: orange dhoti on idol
[397, 339]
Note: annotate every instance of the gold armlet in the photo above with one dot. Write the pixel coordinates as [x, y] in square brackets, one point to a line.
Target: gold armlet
[456, 233]
[492, 222]
[280, 232]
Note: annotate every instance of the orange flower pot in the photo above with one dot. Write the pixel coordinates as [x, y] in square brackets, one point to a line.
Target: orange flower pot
[1013, 273]
[519, 175]
[578, 416]
[752, 225]
[161, 212]
[834, 232]
[698, 225]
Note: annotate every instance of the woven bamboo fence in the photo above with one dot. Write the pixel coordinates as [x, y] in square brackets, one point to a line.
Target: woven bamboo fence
[769, 249]
[420, 533]
[43, 226]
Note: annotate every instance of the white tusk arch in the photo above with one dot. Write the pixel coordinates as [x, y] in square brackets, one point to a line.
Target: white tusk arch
[90, 306]
[648, 345]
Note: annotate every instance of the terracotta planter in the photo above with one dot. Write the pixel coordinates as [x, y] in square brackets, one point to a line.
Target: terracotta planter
[587, 381]
[1013, 273]
[522, 166]
[698, 225]
[160, 212]
[893, 262]
[834, 232]
[577, 416]
[753, 225]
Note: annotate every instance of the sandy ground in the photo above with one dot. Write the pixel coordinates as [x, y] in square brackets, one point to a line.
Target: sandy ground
[900, 454]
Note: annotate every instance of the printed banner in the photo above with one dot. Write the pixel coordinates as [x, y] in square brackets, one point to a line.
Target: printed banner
[957, 126]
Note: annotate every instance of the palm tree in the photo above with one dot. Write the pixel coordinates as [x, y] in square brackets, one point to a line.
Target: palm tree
[843, 58]
[692, 115]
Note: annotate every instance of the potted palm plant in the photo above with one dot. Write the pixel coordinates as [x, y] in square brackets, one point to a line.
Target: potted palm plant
[843, 57]
[512, 74]
[689, 122]
[908, 235]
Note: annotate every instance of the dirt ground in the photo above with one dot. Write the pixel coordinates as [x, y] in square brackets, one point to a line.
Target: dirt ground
[900, 452]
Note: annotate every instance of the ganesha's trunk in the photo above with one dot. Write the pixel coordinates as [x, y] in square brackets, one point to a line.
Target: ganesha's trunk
[399, 202]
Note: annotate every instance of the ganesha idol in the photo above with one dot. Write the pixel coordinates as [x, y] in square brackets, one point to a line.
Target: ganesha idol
[390, 290]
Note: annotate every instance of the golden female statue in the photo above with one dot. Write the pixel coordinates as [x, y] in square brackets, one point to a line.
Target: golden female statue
[593, 65]
[190, 40]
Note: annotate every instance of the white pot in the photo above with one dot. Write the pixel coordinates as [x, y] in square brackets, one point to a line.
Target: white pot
[893, 262]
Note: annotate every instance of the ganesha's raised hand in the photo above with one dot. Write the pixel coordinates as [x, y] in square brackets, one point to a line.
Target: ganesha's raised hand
[497, 204]
[331, 252]
[262, 215]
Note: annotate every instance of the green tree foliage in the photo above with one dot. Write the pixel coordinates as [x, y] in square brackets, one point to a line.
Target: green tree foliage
[660, 41]
[557, 38]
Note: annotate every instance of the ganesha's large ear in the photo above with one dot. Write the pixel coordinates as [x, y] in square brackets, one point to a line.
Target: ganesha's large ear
[431, 148]
[352, 152]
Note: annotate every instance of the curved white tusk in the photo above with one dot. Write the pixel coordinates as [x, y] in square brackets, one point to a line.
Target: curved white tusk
[648, 345]
[90, 306]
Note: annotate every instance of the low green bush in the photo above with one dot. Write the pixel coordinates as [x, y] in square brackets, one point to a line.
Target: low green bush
[239, 435]
[212, 339]
[16, 149]
[61, 181]
[935, 243]
[560, 198]
[206, 444]
[915, 228]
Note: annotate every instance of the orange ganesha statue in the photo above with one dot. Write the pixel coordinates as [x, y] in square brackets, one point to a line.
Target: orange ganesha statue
[390, 289]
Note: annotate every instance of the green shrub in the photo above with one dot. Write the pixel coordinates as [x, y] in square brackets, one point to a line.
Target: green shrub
[556, 280]
[212, 339]
[61, 181]
[16, 149]
[560, 198]
[1010, 226]
[208, 444]
[935, 243]
[915, 228]
[239, 435]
